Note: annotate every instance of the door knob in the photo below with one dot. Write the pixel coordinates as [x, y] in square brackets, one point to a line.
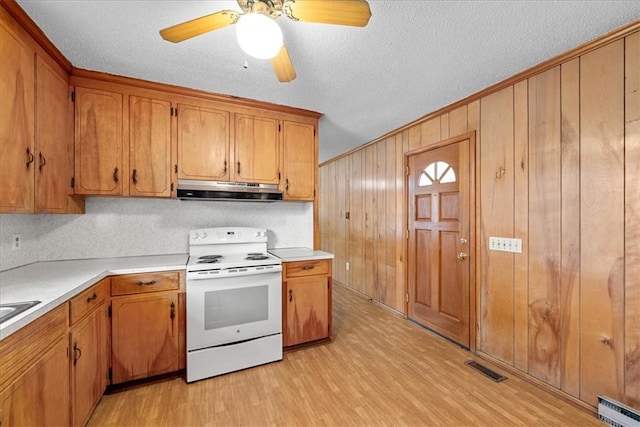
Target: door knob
[462, 256]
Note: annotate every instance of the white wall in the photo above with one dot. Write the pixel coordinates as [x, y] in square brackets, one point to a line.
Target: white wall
[113, 227]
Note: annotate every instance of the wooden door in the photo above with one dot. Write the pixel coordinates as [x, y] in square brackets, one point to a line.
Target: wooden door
[53, 140]
[145, 334]
[98, 142]
[87, 365]
[40, 396]
[203, 143]
[299, 161]
[439, 268]
[256, 150]
[307, 311]
[16, 124]
[149, 147]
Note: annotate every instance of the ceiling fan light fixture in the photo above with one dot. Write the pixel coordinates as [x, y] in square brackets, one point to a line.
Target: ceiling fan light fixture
[259, 35]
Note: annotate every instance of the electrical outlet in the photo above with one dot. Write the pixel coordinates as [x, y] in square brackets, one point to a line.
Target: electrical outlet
[505, 244]
[16, 242]
[346, 266]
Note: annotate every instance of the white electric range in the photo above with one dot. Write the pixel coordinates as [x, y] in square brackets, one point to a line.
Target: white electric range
[234, 301]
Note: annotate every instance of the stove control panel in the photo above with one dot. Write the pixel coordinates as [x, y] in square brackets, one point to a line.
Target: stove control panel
[221, 235]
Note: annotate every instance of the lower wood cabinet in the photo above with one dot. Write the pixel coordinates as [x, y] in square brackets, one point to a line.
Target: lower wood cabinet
[34, 373]
[40, 396]
[89, 335]
[145, 326]
[54, 371]
[306, 301]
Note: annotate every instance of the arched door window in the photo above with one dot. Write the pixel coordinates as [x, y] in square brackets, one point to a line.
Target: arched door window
[437, 172]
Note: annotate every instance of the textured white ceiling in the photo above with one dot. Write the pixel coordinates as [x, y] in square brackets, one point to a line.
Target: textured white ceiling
[413, 58]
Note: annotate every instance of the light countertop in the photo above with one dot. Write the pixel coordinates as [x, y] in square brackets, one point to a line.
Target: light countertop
[54, 282]
[299, 254]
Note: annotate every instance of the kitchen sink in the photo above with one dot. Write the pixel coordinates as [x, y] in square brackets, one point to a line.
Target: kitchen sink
[7, 311]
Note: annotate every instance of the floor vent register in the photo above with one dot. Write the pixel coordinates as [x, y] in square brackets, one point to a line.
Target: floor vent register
[617, 414]
[492, 375]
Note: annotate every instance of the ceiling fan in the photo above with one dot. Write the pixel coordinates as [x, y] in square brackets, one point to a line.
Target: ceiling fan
[262, 37]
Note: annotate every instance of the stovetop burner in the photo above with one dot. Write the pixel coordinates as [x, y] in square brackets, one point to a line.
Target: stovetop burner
[256, 256]
[209, 259]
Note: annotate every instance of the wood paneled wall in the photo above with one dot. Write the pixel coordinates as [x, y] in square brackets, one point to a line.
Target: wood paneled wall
[558, 166]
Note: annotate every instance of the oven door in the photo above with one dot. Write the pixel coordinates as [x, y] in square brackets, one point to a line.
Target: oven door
[233, 308]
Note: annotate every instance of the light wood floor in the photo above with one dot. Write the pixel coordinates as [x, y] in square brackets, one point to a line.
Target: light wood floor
[379, 370]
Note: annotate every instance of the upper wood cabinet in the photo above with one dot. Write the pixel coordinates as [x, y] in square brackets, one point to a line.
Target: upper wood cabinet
[149, 147]
[17, 163]
[256, 149]
[35, 132]
[98, 142]
[299, 161]
[203, 143]
[123, 144]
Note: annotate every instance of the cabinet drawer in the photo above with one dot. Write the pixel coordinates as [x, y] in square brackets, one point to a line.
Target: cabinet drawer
[88, 300]
[144, 282]
[307, 268]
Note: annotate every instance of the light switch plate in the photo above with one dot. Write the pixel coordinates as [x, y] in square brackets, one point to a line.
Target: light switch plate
[505, 244]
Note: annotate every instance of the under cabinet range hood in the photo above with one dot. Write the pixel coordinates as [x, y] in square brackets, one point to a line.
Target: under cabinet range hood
[214, 190]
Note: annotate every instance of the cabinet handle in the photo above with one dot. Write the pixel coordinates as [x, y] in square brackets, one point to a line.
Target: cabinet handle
[172, 314]
[286, 184]
[149, 283]
[225, 166]
[76, 351]
[290, 295]
[43, 161]
[30, 157]
[308, 267]
[92, 297]
[134, 176]
[238, 168]
[115, 175]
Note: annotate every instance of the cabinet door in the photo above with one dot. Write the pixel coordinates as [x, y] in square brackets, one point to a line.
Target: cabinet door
[98, 142]
[88, 365]
[144, 336]
[16, 124]
[150, 147]
[53, 140]
[203, 143]
[41, 395]
[307, 315]
[256, 150]
[299, 161]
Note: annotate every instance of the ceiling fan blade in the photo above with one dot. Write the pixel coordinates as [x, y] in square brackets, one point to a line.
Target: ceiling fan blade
[283, 67]
[355, 13]
[195, 27]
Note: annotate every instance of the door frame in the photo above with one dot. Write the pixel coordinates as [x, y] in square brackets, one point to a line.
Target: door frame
[473, 235]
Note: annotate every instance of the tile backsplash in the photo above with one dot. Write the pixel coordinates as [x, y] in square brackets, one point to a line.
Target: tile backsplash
[114, 227]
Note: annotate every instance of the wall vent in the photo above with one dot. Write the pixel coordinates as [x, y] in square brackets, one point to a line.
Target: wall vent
[617, 414]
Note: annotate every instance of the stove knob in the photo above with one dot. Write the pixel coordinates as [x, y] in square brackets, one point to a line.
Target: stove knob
[196, 236]
[204, 235]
